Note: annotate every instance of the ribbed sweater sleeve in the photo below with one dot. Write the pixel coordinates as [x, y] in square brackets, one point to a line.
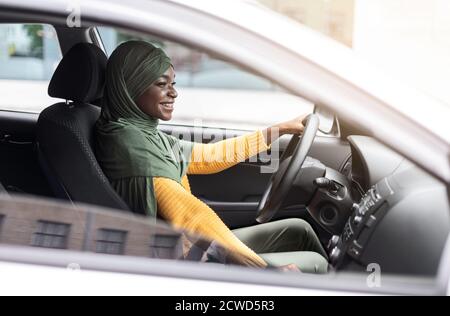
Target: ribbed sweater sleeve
[216, 157]
[177, 205]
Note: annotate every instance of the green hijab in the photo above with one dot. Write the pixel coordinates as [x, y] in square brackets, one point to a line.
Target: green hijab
[129, 147]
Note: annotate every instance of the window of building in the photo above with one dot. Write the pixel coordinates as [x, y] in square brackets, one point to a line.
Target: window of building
[111, 241]
[51, 235]
[166, 246]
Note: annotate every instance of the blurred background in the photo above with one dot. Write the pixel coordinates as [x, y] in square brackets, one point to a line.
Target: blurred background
[409, 39]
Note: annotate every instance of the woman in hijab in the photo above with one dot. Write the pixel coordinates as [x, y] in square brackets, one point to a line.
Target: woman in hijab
[149, 169]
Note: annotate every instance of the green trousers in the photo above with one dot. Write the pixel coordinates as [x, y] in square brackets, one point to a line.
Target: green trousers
[285, 242]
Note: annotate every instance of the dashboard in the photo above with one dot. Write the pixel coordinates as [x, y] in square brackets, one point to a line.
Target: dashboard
[400, 222]
[371, 161]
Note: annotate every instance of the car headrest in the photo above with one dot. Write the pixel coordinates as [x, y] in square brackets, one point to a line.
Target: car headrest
[80, 76]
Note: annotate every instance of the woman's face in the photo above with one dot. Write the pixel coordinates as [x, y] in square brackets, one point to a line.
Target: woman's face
[159, 99]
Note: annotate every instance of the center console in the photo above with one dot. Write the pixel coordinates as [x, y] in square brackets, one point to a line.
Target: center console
[349, 246]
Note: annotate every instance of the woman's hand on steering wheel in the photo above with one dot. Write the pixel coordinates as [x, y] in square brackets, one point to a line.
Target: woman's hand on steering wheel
[295, 126]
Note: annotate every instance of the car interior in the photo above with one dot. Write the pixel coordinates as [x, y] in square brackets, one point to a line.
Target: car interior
[366, 203]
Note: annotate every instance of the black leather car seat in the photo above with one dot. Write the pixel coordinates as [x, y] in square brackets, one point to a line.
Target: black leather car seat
[65, 130]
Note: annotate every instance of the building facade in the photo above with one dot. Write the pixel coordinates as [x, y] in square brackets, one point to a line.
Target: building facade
[29, 222]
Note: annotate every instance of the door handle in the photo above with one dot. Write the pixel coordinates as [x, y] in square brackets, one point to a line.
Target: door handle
[231, 206]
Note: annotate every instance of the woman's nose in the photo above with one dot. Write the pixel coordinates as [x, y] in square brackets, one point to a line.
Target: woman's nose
[173, 92]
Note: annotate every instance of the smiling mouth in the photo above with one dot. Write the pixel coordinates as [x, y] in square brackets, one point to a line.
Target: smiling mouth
[167, 106]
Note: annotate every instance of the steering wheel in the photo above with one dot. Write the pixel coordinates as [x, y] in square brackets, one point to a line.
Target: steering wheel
[290, 163]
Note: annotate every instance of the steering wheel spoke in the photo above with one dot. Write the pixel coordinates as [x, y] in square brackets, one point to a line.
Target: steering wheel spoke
[290, 163]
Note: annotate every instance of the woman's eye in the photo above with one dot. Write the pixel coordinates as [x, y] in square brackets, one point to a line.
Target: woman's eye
[161, 84]
[174, 83]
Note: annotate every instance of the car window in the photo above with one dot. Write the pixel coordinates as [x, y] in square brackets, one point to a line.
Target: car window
[216, 93]
[29, 54]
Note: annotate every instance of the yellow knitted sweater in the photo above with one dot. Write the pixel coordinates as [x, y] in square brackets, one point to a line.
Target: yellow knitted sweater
[180, 207]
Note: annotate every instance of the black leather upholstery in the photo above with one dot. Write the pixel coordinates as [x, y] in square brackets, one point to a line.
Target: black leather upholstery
[65, 131]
